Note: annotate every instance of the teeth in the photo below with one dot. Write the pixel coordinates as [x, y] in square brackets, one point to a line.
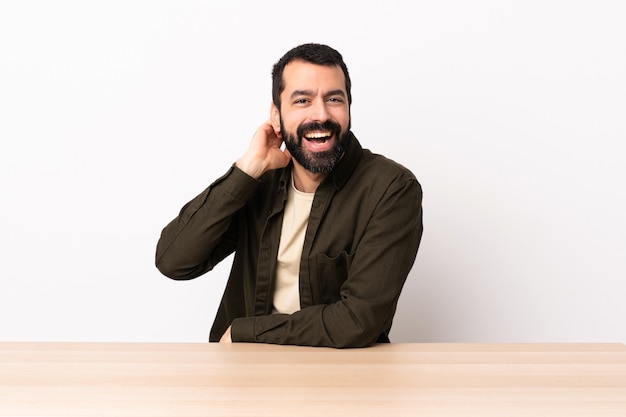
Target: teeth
[317, 135]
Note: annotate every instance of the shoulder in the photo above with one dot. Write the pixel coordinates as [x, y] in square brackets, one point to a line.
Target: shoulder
[379, 168]
[361, 167]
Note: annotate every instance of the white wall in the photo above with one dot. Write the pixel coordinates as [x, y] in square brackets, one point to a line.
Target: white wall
[113, 114]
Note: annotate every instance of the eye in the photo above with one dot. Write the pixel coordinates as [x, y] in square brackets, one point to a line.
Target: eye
[335, 100]
[301, 101]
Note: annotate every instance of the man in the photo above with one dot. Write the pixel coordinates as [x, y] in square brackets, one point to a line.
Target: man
[324, 232]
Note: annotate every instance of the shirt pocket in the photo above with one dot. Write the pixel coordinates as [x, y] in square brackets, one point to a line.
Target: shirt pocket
[332, 272]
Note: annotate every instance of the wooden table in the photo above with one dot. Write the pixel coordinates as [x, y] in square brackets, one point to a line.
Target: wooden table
[206, 379]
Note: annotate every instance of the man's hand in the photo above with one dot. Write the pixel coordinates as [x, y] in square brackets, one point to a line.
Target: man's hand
[226, 336]
[264, 153]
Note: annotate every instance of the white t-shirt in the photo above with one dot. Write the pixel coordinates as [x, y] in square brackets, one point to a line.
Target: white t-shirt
[295, 220]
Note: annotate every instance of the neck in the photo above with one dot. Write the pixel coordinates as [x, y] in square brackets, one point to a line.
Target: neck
[305, 180]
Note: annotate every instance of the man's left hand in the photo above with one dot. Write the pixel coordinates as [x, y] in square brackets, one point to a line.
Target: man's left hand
[226, 336]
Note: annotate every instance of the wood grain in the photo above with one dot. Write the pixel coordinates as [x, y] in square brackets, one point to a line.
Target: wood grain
[207, 379]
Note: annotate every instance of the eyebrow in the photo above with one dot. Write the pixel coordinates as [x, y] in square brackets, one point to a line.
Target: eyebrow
[298, 93]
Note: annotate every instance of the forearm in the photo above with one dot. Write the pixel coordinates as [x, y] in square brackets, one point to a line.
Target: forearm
[320, 325]
[203, 232]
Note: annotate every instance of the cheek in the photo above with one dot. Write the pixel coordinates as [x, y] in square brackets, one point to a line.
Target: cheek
[291, 124]
[341, 115]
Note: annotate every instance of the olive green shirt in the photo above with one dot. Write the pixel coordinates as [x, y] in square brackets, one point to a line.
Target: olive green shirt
[362, 238]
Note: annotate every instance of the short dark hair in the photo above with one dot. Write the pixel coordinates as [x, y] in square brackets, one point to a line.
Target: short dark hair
[313, 53]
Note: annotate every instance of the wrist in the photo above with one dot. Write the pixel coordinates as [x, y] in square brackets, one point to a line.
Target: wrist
[253, 168]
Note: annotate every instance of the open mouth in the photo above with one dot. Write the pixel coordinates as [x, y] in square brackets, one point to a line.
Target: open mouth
[318, 137]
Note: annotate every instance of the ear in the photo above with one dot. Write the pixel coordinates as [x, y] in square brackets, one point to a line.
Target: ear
[275, 118]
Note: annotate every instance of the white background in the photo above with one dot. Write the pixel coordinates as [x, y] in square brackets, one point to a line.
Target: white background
[113, 114]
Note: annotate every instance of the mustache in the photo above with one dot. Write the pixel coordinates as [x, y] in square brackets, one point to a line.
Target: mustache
[329, 125]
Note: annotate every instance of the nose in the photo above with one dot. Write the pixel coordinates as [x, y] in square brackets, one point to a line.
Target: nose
[319, 112]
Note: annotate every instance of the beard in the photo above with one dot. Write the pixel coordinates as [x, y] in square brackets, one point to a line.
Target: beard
[316, 162]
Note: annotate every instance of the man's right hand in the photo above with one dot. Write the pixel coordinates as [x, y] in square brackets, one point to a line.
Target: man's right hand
[264, 153]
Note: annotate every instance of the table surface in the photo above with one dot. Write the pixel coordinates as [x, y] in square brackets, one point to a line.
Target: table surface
[401, 379]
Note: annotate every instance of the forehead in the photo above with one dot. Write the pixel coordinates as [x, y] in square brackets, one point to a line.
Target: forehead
[300, 75]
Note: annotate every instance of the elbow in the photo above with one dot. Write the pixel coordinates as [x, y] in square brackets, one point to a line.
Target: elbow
[174, 266]
[176, 271]
[355, 340]
[358, 334]
[168, 271]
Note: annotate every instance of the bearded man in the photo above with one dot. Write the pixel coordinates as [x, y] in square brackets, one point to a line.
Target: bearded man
[324, 232]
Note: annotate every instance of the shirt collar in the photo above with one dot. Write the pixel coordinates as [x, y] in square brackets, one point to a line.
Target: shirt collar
[347, 163]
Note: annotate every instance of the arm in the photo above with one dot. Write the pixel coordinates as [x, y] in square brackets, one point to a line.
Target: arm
[203, 234]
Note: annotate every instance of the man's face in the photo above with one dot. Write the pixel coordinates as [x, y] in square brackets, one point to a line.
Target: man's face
[314, 118]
